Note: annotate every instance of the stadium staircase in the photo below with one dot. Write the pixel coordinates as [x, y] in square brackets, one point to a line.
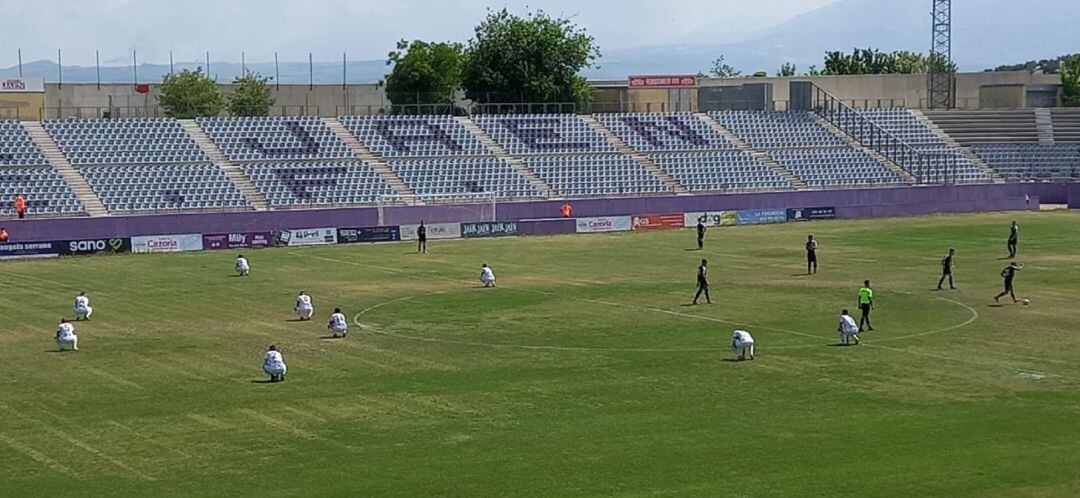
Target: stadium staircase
[70, 175]
[638, 157]
[376, 163]
[1066, 124]
[964, 149]
[848, 139]
[995, 126]
[741, 144]
[500, 152]
[252, 194]
[1044, 126]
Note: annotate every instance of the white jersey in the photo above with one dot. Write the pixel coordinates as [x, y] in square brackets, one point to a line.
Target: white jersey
[486, 274]
[66, 330]
[338, 322]
[303, 302]
[242, 264]
[742, 337]
[273, 358]
[848, 325]
[82, 302]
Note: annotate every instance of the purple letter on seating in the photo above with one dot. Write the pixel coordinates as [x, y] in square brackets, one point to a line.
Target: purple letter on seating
[541, 135]
[298, 180]
[403, 142]
[674, 128]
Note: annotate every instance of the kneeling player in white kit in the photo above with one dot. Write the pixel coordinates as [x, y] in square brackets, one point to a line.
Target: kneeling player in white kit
[741, 343]
[848, 329]
[338, 325]
[65, 336]
[274, 364]
[82, 307]
[242, 267]
[303, 306]
[487, 277]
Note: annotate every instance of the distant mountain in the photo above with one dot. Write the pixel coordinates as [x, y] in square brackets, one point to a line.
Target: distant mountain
[986, 34]
[224, 72]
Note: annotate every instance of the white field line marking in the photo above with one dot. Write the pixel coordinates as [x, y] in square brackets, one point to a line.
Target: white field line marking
[148, 439]
[39, 457]
[76, 442]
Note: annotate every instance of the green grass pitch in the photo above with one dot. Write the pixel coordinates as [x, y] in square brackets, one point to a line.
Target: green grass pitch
[583, 373]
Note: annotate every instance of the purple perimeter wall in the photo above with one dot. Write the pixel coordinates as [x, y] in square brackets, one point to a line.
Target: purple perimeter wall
[853, 203]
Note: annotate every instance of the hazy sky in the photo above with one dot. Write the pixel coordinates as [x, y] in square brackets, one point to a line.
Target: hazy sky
[366, 29]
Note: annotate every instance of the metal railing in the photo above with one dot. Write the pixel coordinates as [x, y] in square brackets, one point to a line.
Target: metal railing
[925, 167]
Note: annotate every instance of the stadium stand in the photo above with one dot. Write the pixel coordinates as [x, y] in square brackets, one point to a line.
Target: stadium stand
[796, 141]
[664, 132]
[296, 162]
[1066, 125]
[595, 175]
[1032, 162]
[907, 126]
[450, 176]
[144, 165]
[414, 136]
[24, 170]
[720, 171]
[544, 134]
[991, 126]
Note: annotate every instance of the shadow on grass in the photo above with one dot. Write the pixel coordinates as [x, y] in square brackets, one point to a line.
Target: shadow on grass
[995, 305]
[264, 381]
[60, 351]
[330, 338]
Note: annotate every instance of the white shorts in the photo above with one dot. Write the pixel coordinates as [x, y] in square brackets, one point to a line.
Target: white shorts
[853, 332]
[337, 331]
[738, 347]
[67, 339]
[305, 311]
[487, 280]
[83, 311]
[274, 369]
[242, 271]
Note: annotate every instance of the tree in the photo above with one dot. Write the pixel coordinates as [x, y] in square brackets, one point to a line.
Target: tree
[873, 61]
[1048, 66]
[251, 96]
[424, 72]
[1070, 80]
[787, 70]
[813, 71]
[721, 69]
[535, 58]
[190, 94]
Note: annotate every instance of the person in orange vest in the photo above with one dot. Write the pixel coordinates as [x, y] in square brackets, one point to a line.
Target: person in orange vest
[3, 235]
[566, 210]
[20, 206]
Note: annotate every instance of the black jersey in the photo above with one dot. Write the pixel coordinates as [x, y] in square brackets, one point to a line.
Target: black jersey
[1009, 272]
[702, 276]
[1014, 233]
[421, 232]
[811, 247]
[947, 263]
[700, 229]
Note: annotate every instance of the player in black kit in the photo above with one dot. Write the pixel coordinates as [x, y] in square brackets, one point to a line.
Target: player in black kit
[703, 282]
[421, 238]
[1008, 273]
[1014, 237]
[811, 255]
[946, 270]
[701, 233]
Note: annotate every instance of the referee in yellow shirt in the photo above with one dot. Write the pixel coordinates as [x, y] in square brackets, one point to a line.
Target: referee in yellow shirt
[866, 303]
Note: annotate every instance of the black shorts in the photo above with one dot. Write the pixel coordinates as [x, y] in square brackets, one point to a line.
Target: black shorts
[865, 308]
[811, 257]
[1008, 285]
[702, 284]
[946, 271]
[422, 239]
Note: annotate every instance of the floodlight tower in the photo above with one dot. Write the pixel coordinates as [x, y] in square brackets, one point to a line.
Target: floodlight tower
[942, 77]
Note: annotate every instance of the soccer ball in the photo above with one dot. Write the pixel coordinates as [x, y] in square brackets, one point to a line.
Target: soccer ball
[1026, 302]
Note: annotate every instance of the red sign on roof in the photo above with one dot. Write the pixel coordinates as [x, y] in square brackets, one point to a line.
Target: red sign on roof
[677, 81]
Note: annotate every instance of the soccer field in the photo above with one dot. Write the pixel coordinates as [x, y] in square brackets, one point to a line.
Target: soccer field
[583, 373]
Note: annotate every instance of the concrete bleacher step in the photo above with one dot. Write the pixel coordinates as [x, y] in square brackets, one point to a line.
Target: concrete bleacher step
[68, 173]
[971, 156]
[377, 163]
[987, 126]
[638, 157]
[1044, 126]
[234, 172]
[516, 162]
[1066, 124]
[741, 144]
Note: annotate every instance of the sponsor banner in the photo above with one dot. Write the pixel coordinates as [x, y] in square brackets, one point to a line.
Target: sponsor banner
[167, 243]
[16, 250]
[673, 81]
[489, 229]
[603, 224]
[369, 234]
[434, 231]
[760, 216]
[809, 214]
[710, 219]
[237, 240]
[95, 246]
[305, 237]
[22, 85]
[657, 221]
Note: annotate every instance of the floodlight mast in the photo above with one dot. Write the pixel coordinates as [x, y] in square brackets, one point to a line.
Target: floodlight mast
[942, 78]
